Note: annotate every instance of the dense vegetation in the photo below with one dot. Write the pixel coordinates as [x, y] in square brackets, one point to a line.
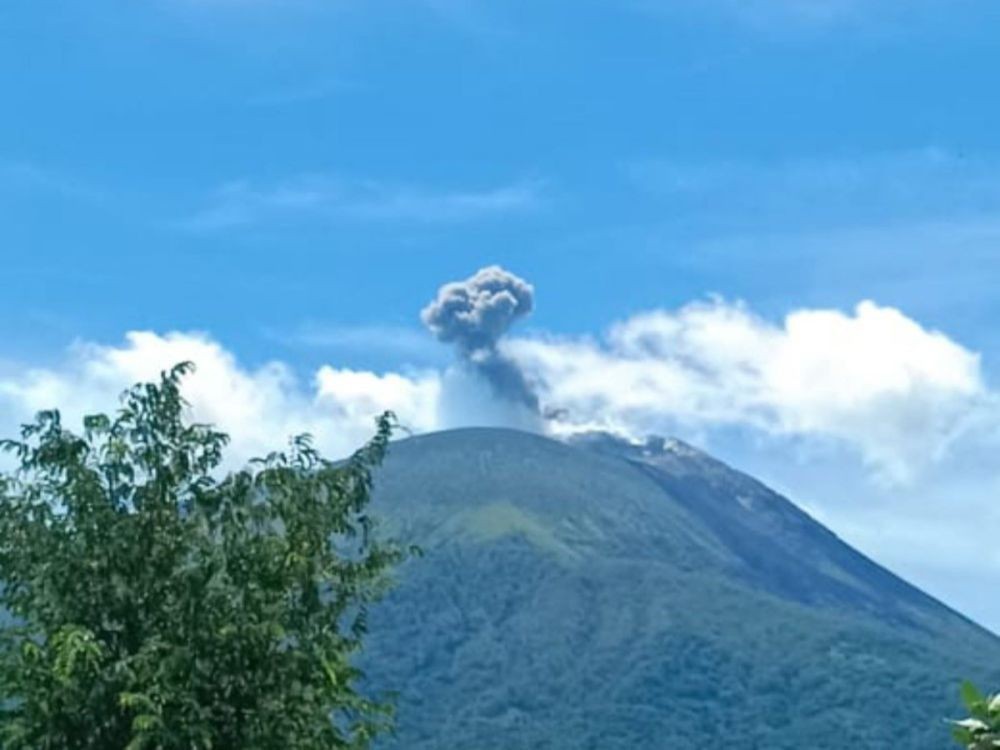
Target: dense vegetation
[158, 605]
[570, 599]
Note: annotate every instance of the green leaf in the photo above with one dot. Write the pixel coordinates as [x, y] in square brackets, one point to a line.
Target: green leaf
[162, 604]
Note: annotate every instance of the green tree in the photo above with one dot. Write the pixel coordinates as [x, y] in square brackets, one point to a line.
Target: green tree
[153, 603]
[981, 730]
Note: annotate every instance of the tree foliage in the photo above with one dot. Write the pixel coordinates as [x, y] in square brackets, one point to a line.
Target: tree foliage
[153, 603]
[981, 730]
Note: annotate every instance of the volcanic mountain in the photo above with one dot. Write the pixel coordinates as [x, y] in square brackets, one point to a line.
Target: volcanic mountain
[596, 594]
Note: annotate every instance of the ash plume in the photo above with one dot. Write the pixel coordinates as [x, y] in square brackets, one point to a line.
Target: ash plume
[474, 314]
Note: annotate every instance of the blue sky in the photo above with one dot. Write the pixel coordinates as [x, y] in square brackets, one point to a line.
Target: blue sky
[292, 181]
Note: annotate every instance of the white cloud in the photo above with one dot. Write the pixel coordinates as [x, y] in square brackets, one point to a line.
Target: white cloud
[875, 380]
[354, 397]
[896, 394]
[241, 203]
[260, 408]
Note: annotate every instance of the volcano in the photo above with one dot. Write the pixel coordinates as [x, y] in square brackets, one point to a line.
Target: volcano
[597, 594]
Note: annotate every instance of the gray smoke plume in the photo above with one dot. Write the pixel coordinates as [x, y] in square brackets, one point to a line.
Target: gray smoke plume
[474, 315]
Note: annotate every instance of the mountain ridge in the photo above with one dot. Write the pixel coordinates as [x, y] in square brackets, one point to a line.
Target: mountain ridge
[655, 450]
[572, 597]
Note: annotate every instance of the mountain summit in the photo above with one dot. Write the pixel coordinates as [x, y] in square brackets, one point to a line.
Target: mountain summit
[600, 594]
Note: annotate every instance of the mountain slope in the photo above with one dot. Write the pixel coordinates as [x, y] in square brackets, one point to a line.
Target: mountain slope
[603, 595]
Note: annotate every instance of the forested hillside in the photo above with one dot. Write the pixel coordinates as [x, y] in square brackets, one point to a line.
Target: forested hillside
[599, 595]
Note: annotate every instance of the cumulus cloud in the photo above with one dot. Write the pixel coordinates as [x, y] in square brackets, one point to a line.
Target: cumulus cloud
[875, 380]
[258, 407]
[900, 396]
[475, 314]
